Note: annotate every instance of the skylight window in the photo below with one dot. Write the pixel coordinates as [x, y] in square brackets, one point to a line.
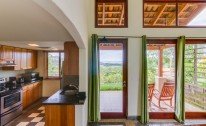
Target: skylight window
[199, 20]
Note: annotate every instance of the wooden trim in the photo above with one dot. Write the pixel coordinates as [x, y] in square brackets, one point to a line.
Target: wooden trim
[195, 115]
[161, 115]
[124, 114]
[195, 41]
[112, 1]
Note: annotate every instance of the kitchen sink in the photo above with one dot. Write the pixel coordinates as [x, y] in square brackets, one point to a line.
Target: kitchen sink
[69, 92]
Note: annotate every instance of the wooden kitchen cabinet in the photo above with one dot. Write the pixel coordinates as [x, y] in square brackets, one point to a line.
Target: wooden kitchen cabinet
[34, 59]
[23, 59]
[31, 59]
[17, 58]
[24, 97]
[31, 93]
[7, 53]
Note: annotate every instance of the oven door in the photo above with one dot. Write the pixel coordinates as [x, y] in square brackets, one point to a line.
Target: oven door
[10, 101]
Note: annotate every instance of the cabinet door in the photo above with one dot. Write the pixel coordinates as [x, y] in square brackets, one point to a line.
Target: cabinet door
[7, 53]
[40, 89]
[34, 59]
[36, 91]
[17, 58]
[23, 59]
[29, 59]
[24, 100]
[30, 94]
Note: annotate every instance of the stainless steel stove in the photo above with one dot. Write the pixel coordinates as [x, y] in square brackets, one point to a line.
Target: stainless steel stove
[11, 102]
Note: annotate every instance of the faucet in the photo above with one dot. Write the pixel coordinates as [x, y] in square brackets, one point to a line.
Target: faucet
[73, 85]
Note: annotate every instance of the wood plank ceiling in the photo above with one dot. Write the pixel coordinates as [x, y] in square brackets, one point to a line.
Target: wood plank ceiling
[164, 14]
[111, 14]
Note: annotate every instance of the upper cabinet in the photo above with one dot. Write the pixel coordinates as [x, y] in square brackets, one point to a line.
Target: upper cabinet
[7, 53]
[31, 59]
[17, 58]
[34, 59]
[23, 59]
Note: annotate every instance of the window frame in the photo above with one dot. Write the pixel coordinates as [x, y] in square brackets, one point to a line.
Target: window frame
[111, 1]
[177, 10]
[165, 115]
[47, 66]
[195, 115]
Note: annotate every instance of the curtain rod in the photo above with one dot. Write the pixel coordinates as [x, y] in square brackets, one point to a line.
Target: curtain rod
[148, 37]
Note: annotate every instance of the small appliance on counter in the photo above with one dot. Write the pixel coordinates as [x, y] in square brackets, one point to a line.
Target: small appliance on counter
[31, 77]
[20, 79]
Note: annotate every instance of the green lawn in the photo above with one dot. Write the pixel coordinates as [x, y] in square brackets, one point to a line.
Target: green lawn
[111, 87]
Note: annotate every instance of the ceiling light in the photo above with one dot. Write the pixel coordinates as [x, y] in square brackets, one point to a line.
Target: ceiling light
[33, 45]
[54, 49]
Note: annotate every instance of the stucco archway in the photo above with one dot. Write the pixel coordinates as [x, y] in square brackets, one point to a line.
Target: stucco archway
[53, 7]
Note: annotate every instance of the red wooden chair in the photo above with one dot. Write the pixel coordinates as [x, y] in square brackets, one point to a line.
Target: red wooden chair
[150, 93]
[166, 93]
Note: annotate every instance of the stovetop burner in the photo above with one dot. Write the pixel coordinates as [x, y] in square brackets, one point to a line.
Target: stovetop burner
[2, 89]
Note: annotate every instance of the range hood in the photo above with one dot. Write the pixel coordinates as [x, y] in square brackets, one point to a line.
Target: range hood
[6, 63]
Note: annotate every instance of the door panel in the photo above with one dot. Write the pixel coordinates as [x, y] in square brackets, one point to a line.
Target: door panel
[113, 78]
[161, 72]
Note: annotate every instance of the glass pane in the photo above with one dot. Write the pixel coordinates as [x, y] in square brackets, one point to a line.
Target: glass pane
[62, 58]
[53, 64]
[161, 77]
[111, 14]
[195, 78]
[159, 14]
[192, 14]
[111, 77]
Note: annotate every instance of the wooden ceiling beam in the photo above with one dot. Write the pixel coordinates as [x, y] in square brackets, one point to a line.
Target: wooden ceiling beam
[180, 11]
[103, 14]
[161, 10]
[122, 15]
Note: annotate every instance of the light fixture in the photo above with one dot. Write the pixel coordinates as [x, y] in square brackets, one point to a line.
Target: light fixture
[104, 39]
[35, 45]
[54, 49]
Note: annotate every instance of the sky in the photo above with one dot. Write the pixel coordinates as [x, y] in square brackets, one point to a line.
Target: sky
[111, 56]
[199, 20]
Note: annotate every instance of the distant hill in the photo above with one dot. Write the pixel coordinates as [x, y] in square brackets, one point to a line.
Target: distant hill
[110, 63]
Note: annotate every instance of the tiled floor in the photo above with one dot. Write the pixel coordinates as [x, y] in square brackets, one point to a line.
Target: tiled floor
[32, 116]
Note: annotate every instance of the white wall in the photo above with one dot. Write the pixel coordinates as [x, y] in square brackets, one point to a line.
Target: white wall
[50, 87]
[135, 28]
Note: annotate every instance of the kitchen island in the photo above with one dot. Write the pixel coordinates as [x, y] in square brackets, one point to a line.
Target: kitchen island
[60, 108]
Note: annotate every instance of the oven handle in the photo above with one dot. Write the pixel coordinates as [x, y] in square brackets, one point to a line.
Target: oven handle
[3, 110]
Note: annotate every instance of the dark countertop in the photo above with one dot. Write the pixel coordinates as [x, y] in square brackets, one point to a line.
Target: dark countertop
[58, 99]
[28, 83]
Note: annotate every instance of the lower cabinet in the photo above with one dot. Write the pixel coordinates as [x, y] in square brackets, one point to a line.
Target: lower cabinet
[31, 93]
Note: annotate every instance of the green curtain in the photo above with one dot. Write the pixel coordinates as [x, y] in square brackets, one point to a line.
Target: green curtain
[180, 107]
[144, 86]
[94, 82]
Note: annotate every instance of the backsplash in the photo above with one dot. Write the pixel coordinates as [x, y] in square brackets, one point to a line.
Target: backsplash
[7, 74]
[70, 79]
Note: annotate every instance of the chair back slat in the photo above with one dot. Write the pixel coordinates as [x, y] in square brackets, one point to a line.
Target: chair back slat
[150, 90]
[168, 90]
